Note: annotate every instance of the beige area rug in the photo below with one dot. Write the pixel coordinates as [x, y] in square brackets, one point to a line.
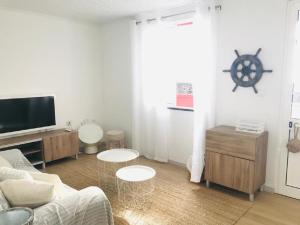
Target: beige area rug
[184, 204]
[176, 201]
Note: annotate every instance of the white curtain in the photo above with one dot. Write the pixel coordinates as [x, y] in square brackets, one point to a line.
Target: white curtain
[153, 79]
[204, 86]
[150, 113]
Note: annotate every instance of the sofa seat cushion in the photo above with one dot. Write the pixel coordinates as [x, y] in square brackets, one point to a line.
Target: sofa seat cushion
[27, 193]
[49, 178]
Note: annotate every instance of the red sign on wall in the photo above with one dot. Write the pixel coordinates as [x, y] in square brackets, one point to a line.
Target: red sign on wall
[184, 96]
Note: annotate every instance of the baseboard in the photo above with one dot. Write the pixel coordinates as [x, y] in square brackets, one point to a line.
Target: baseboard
[177, 163]
[269, 189]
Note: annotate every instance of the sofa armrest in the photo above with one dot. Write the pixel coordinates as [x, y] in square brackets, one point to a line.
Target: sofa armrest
[18, 161]
[89, 206]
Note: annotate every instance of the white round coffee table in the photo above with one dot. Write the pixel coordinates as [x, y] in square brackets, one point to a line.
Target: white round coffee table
[110, 161]
[135, 186]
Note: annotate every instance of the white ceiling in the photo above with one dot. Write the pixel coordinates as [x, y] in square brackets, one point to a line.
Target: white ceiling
[94, 10]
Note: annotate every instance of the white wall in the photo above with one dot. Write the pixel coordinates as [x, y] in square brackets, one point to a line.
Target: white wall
[41, 54]
[248, 25]
[117, 83]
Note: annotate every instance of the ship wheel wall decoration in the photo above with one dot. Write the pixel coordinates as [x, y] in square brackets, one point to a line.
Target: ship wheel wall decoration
[247, 70]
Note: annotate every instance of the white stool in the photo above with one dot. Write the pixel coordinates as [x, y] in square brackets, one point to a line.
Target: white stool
[135, 186]
[115, 139]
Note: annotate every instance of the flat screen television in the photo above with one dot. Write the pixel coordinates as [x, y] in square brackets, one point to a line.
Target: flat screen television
[26, 114]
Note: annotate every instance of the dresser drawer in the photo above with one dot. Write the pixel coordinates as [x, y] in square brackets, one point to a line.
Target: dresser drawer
[230, 171]
[238, 145]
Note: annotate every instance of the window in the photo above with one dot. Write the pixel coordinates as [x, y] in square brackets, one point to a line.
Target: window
[183, 62]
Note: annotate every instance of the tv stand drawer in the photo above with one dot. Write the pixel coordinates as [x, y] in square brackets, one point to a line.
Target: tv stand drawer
[60, 146]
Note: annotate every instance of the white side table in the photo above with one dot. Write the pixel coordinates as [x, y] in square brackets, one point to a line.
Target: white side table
[135, 186]
[109, 162]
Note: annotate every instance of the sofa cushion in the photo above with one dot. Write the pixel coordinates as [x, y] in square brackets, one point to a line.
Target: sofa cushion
[27, 193]
[4, 162]
[49, 178]
[3, 202]
[11, 173]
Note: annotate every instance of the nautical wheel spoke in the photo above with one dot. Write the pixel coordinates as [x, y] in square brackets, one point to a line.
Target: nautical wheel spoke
[235, 87]
[249, 77]
[242, 77]
[267, 71]
[255, 90]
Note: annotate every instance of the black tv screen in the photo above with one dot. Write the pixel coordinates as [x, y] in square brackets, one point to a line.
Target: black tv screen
[19, 114]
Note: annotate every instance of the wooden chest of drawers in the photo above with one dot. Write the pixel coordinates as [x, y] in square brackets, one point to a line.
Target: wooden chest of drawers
[236, 159]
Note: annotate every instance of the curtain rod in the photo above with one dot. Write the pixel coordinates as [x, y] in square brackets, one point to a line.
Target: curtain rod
[217, 7]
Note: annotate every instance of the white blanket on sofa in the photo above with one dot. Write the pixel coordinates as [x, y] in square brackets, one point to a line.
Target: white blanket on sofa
[85, 207]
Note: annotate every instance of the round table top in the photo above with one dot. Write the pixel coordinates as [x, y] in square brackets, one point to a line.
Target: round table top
[16, 216]
[136, 173]
[118, 155]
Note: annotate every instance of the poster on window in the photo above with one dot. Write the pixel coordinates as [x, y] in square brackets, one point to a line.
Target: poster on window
[184, 95]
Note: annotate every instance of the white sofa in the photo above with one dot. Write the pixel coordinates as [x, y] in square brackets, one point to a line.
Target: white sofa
[88, 206]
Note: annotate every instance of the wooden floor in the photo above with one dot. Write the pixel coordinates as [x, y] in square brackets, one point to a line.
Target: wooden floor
[179, 202]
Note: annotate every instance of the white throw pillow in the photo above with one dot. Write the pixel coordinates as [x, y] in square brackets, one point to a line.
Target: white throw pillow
[49, 178]
[27, 193]
[4, 163]
[11, 173]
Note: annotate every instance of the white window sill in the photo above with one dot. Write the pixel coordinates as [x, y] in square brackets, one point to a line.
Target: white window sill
[189, 109]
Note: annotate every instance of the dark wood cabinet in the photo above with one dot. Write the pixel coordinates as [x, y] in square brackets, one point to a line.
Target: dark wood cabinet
[236, 159]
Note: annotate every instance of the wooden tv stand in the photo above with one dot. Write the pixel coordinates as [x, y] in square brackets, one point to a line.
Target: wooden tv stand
[40, 148]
